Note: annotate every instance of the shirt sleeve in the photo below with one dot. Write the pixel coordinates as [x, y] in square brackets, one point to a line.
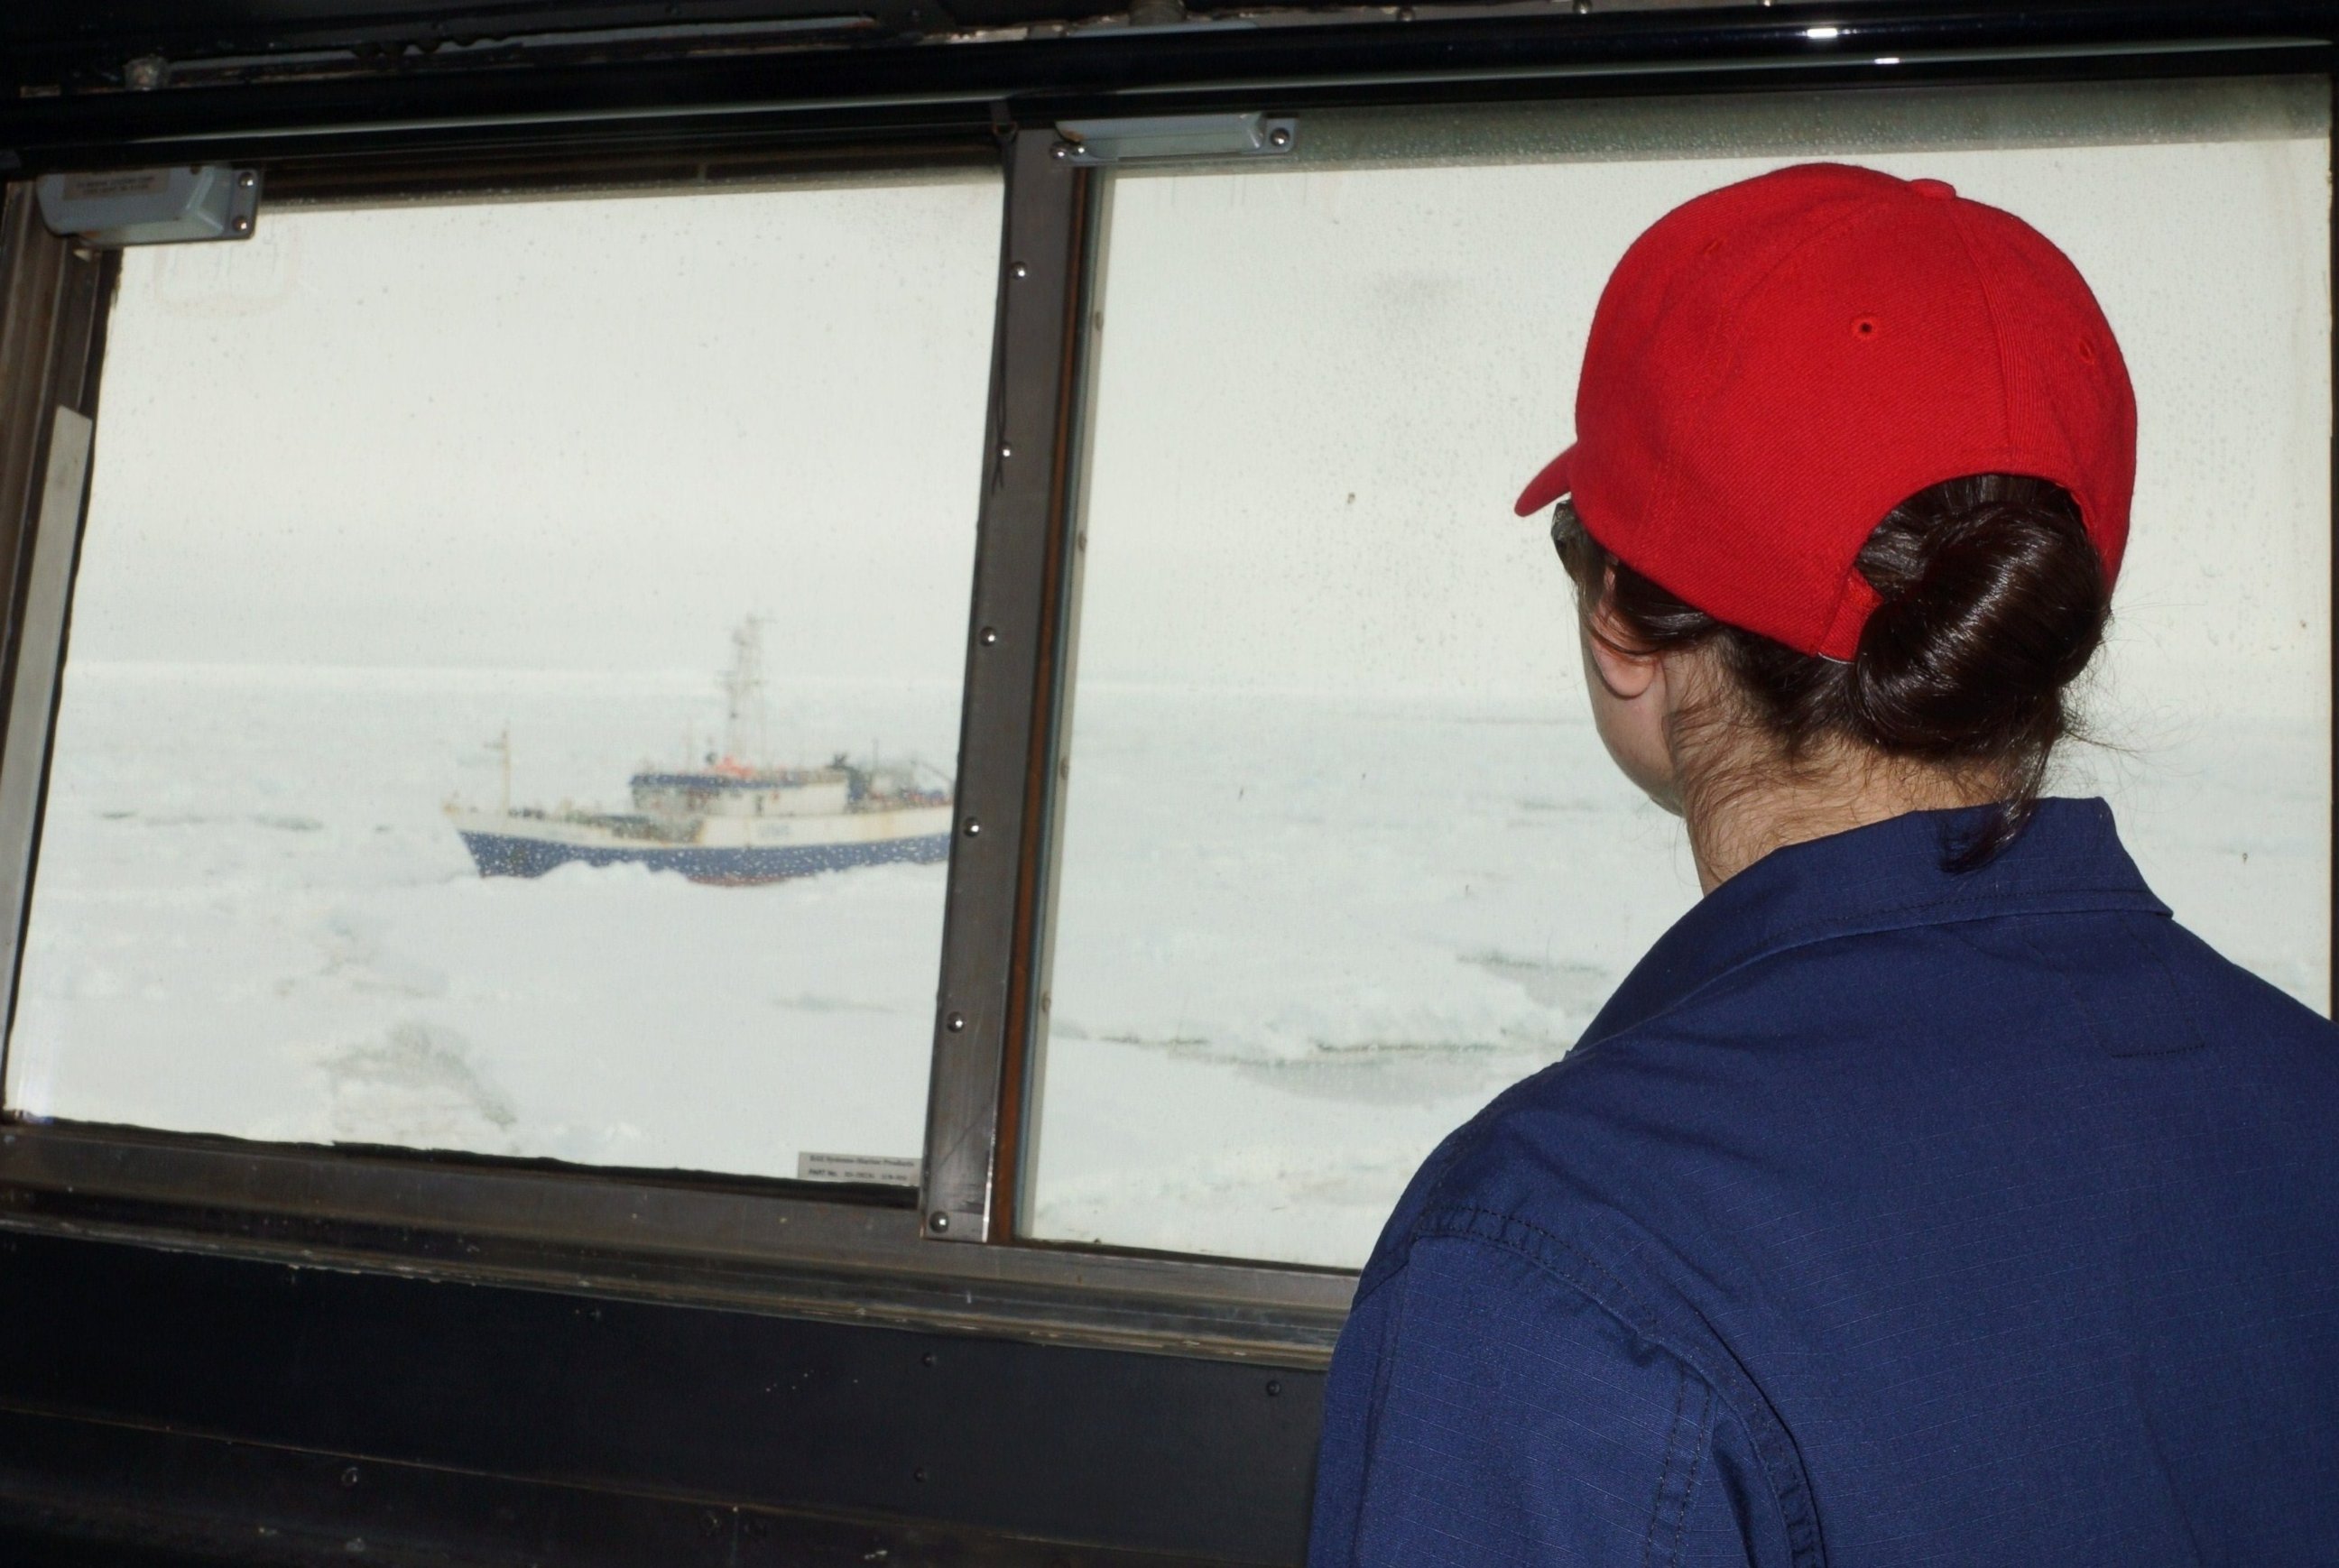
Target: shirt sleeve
[1483, 1412]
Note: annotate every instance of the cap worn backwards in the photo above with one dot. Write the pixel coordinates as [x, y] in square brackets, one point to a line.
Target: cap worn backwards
[1775, 365]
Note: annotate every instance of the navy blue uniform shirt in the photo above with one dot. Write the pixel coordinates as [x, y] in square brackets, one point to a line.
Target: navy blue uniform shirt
[1884, 1216]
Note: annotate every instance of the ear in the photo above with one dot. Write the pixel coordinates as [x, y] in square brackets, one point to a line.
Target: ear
[1610, 644]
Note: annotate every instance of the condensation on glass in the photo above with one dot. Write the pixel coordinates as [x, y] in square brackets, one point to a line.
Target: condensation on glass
[1340, 854]
[513, 685]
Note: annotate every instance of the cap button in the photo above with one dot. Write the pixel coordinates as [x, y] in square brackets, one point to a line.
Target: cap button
[1938, 190]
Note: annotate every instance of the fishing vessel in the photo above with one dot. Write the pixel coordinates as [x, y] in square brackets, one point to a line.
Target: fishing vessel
[733, 818]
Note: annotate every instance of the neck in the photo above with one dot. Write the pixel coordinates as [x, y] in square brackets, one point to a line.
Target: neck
[1737, 815]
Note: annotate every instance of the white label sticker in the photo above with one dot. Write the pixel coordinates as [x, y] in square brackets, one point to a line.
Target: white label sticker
[119, 182]
[884, 1169]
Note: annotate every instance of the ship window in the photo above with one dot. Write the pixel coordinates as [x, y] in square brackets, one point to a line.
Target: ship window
[1340, 854]
[512, 694]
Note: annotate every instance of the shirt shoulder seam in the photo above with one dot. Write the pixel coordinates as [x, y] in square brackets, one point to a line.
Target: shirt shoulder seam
[1566, 1263]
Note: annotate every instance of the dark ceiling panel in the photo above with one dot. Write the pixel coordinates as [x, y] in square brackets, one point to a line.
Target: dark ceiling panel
[93, 42]
[577, 87]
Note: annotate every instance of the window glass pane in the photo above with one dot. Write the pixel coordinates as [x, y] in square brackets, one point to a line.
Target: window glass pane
[1341, 856]
[513, 683]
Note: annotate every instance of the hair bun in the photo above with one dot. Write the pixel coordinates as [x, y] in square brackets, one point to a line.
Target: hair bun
[1994, 600]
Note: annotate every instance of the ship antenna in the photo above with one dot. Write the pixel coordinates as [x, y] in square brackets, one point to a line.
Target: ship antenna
[743, 692]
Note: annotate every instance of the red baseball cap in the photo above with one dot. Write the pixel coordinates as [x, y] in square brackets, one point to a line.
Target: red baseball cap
[1776, 365]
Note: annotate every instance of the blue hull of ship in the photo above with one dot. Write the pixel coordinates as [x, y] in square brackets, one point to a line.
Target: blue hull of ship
[500, 854]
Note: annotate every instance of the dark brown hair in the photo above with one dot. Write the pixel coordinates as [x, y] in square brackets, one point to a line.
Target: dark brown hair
[1994, 600]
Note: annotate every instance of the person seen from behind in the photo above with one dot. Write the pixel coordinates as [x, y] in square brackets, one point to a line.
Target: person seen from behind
[1927, 1195]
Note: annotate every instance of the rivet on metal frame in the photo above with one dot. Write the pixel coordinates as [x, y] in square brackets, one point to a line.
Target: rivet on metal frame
[974, 828]
[938, 1221]
[988, 637]
[955, 1022]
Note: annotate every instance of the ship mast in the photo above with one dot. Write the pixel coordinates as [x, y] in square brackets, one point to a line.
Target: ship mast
[743, 739]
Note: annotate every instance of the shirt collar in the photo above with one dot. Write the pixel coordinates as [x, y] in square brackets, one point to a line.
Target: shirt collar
[1886, 876]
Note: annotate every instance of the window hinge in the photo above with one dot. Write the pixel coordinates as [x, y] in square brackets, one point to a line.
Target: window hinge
[151, 206]
[1159, 136]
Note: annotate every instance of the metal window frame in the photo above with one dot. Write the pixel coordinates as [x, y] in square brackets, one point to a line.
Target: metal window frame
[1016, 649]
[54, 298]
[773, 1246]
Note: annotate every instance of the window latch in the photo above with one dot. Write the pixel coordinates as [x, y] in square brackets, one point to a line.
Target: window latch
[1161, 136]
[175, 205]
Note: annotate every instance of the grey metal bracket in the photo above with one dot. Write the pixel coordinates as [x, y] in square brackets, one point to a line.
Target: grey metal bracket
[174, 205]
[1153, 138]
[982, 1021]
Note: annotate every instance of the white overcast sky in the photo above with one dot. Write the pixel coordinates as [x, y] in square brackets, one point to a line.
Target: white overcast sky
[1321, 392]
[592, 434]
[555, 434]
